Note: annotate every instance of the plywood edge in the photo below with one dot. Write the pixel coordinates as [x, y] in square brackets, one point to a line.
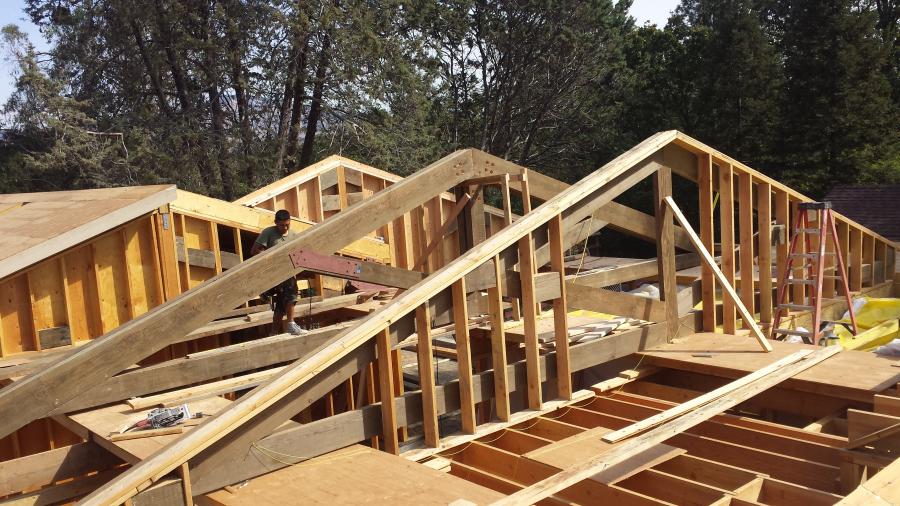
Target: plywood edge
[66, 240]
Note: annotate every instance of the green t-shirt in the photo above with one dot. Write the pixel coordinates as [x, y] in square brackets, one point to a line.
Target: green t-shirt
[270, 236]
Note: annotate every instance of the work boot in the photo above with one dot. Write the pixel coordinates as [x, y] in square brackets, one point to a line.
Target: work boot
[295, 329]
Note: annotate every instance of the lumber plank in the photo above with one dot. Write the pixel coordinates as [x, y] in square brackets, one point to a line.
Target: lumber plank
[463, 356]
[617, 303]
[723, 280]
[386, 389]
[555, 483]
[707, 236]
[498, 345]
[560, 311]
[665, 248]
[726, 228]
[764, 225]
[529, 312]
[745, 216]
[426, 377]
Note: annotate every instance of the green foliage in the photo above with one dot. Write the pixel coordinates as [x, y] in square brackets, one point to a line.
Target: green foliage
[221, 97]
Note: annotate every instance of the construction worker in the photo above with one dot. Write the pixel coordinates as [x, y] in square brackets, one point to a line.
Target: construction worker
[283, 296]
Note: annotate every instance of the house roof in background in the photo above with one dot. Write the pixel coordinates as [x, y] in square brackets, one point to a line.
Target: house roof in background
[874, 206]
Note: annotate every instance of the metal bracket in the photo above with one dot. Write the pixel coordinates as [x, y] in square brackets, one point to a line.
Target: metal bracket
[303, 258]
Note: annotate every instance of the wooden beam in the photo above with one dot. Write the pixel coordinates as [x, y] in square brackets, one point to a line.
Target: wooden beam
[745, 214]
[726, 287]
[726, 219]
[498, 345]
[665, 248]
[573, 475]
[426, 377]
[463, 356]
[529, 312]
[619, 304]
[386, 388]
[707, 236]
[560, 315]
[630, 272]
[764, 225]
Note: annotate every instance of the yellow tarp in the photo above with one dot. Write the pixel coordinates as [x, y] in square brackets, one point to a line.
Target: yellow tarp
[877, 322]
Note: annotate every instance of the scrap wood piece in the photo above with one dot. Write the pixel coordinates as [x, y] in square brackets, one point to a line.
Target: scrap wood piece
[551, 485]
[204, 391]
[696, 402]
[720, 277]
[624, 377]
[165, 431]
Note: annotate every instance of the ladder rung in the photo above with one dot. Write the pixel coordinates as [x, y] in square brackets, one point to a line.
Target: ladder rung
[798, 281]
[795, 307]
[808, 230]
[792, 332]
[830, 276]
[810, 256]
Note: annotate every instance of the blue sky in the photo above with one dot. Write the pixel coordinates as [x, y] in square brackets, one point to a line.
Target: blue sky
[11, 12]
[653, 11]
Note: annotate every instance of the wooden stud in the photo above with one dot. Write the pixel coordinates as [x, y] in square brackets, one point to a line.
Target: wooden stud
[214, 245]
[186, 284]
[371, 394]
[515, 309]
[529, 311]
[342, 186]
[856, 259]
[132, 284]
[498, 345]
[869, 258]
[745, 204]
[426, 377]
[386, 387]
[464, 356]
[707, 236]
[665, 249]
[397, 371]
[764, 224]
[726, 218]
[843, 233]
[782, 219]
[799, 290]
[560, 316]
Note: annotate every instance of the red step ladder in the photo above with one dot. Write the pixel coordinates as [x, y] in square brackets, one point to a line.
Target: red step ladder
[814, 265]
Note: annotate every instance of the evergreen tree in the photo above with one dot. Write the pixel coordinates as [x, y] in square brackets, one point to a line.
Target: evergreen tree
[839, 118]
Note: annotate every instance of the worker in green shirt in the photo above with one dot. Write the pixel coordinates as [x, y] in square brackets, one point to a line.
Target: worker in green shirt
[284, 296]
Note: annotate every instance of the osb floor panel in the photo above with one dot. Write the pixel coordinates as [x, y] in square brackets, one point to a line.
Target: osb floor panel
[850, 374]
[104, 421]
[355, 475]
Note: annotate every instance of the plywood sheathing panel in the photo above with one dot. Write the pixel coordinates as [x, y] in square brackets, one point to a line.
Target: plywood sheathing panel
[43, 224]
